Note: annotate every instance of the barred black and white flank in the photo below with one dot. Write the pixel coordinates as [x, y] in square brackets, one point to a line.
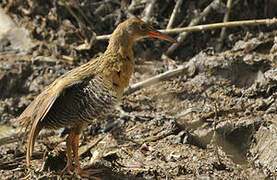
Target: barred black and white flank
[85, 102]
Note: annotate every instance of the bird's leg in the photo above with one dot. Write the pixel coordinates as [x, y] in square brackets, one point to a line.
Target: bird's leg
[80, 171]
[76, 153]
[69, 143]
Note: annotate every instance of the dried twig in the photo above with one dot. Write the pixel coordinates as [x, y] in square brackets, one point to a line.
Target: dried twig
[254, 22]
[226, 18]
[174, 12]
[196, 20]
[103, 37]
[76, 17]
[87, 148]
[88, 43]
[18, 160]
[188, 111]
[220, 25]
[10, 139]
[17, 136]
[136, 4]
[164, 76]
[76, 4]
[214, 138]
[149, 10]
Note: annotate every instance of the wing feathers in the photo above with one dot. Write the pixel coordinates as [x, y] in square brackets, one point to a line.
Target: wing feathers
[36, 125]
[37, 110]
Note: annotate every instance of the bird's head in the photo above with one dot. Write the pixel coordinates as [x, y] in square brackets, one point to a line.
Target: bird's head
[134, 29]
[139, 29]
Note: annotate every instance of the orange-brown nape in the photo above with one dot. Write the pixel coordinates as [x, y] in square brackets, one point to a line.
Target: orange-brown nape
[87, 93]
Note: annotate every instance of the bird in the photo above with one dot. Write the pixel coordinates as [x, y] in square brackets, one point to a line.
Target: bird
[86, 94]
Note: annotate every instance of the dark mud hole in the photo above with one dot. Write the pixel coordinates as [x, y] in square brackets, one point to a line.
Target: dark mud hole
[167, 130]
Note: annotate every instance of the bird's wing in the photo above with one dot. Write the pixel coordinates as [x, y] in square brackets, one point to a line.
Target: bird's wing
[34, 113]
[38, 109]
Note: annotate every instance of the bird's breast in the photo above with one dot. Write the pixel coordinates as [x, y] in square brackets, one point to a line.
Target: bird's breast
[119, 74]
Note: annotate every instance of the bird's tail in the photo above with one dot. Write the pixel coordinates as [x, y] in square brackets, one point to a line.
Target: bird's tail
[36, 128]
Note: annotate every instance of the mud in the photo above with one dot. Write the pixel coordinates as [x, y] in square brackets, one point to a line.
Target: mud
[216, 121]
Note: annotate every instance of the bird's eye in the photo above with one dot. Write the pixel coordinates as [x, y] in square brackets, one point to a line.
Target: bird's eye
[144, 27]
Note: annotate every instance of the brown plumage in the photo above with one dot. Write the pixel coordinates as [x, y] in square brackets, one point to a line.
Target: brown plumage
[86, 93]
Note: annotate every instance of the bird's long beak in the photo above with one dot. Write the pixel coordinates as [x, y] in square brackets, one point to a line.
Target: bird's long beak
[156, 34]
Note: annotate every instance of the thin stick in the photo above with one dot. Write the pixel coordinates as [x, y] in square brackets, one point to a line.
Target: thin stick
[10, 139]
[89, 147]
[196, 20]
[174, 12]
[214, 139]
[225, 19]
[76, 17]
[254, 22]
[149, 10]
[76, 4]
[19, 135]
[161, 77]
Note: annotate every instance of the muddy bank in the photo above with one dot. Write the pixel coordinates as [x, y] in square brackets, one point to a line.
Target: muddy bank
[215, 121]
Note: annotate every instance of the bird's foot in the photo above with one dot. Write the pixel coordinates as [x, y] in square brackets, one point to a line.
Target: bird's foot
[88, 173]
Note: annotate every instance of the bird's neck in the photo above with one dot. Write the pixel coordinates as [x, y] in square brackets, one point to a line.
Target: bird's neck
[118, 62]
[120, 42]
